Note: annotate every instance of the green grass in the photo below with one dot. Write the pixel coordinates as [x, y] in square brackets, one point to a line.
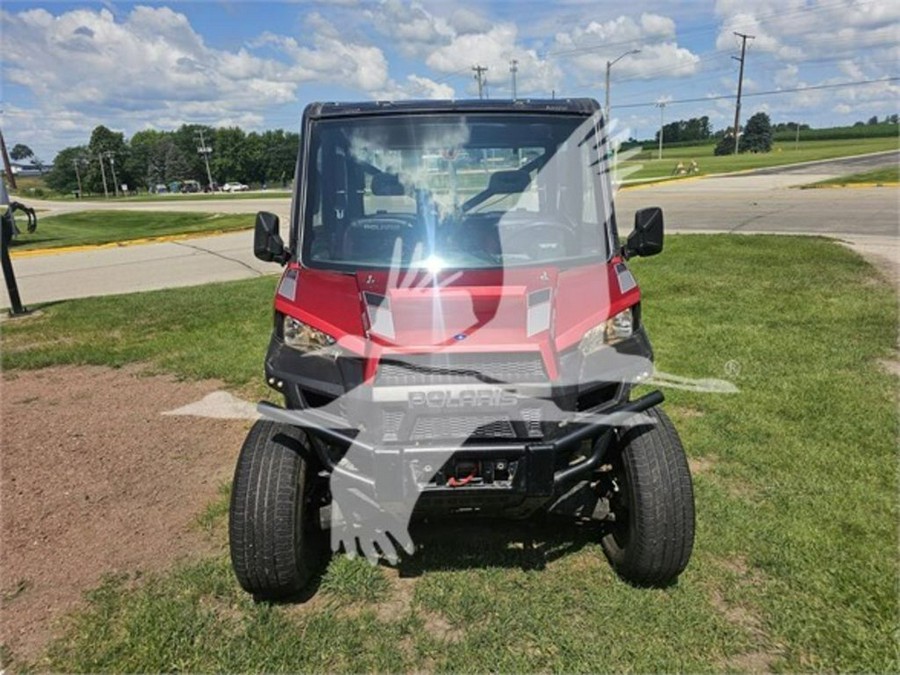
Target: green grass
[104, 227]
[782, 153]
[795, 564]
[32, 187]
[889, 176]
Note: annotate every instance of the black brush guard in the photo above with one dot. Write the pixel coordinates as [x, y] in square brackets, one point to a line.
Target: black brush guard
[539, 476]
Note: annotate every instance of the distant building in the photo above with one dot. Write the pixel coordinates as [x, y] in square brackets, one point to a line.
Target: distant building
[20, 169]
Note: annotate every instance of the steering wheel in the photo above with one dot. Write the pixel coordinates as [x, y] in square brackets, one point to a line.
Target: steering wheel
[535, 235]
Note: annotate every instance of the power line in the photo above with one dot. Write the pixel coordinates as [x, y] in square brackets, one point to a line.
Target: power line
[702, 28]
[764, 93]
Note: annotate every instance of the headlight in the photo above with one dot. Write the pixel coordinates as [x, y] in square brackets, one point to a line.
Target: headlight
[304, 337]
[613, 330]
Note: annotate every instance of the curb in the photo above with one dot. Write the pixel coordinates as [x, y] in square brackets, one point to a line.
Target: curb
[829, 186]
[59, 250]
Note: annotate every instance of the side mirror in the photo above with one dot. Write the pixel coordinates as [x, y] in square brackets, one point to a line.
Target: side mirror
[267, 243]
[647, 237]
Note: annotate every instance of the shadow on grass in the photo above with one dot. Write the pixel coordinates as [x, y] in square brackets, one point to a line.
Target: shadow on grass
[459, 544]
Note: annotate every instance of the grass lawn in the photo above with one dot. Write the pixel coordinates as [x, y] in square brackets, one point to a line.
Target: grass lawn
[795, 563]
[104, 227]
[782, 153]
[888, 177]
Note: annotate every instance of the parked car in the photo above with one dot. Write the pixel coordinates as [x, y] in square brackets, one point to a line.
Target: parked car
[191, 186]
[235, 187]
[160, 189]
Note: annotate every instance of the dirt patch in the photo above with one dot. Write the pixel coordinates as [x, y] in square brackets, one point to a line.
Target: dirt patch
[96, 481]
[438, 627]
[399, 598]
[686, 411]
[766, 655]
[701, 465]
[891, 367]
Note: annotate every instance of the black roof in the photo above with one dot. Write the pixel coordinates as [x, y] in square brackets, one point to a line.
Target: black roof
[578, 106]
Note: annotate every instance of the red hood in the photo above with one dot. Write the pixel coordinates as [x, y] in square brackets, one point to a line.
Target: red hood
[475, 310]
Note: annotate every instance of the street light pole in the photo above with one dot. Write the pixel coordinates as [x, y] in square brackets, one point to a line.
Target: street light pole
[609, 65]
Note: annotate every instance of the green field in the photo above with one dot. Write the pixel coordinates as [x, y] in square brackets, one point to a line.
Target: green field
[104, 227]
[782, 153]
[795, 563]
[889, 177]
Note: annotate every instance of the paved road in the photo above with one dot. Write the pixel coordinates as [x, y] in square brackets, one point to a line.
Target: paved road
[839, 167]
[764, 201]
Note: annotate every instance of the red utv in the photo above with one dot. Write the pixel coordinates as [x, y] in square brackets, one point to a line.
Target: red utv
[456, 332]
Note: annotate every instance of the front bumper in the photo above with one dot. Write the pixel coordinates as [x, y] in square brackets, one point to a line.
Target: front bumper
[395, 474]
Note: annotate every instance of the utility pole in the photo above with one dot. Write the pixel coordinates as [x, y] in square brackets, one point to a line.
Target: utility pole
[662, 106]
[78, 176]
[205, 150]
[10, 176]
[112, 165]
[479, 76]
[103, 175]
[737, 107]
[513, 68]
[797, 139]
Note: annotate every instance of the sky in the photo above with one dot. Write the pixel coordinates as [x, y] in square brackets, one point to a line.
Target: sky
[66, 67]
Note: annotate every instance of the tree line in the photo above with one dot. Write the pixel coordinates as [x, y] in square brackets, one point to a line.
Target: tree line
[151, 157]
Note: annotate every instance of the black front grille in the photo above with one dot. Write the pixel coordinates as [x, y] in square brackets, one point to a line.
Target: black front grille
[444, 368]
[461, 427]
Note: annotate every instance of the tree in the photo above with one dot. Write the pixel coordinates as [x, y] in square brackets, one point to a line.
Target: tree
[725, 146]
[694, 129]
[62, 176]
[167, 163]
[229, 159]
[187, 138]
[873, 120]
[757, 134]
[106, 144]
[143, 146]
[20, 152]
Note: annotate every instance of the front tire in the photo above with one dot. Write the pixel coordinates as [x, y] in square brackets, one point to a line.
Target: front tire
[274, 540]
[651, 495]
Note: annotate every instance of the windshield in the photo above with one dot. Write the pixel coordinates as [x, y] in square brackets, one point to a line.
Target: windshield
[456, 191]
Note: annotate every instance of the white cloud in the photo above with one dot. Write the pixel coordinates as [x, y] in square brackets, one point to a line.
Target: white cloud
[800, 31]
[653, 34]
[416, 87]
[787, 76]
[150, 66]
[414, 30]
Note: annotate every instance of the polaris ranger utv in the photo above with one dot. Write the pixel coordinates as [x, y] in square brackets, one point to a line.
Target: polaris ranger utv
[456, 332]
